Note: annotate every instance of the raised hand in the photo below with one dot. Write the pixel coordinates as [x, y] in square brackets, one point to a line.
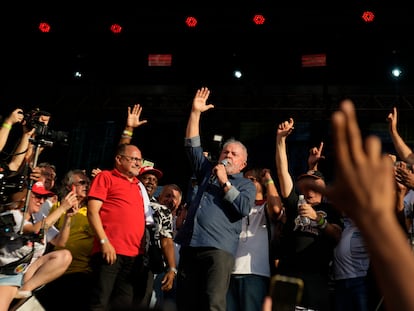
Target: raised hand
[285, 128]
[265, 176]
[134, 115]
[315, 154]
[69, 202]
[392, 119]
[15, 117]
[200, 100]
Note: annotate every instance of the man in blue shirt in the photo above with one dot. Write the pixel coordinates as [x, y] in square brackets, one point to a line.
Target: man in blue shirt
[209, 236]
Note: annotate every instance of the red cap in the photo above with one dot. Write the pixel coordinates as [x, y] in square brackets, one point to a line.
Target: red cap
[150, 170]
[39, 188]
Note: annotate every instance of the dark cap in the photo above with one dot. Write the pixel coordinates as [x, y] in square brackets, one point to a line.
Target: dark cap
[313, 174]
[150, 170]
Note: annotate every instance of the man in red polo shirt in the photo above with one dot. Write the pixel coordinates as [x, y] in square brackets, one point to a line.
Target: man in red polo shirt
[116, 203]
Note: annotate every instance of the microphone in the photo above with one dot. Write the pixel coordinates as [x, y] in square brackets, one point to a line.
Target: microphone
[213, 176]
[224, 162]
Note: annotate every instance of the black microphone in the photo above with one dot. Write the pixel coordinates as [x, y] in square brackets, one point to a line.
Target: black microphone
[213, 175]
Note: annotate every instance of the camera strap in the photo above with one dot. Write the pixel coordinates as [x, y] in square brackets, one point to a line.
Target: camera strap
[18, 266]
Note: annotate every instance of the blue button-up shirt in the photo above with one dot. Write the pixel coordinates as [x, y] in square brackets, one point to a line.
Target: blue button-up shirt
[214, 218]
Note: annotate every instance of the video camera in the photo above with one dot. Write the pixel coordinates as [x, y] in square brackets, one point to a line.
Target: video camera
[43, 135]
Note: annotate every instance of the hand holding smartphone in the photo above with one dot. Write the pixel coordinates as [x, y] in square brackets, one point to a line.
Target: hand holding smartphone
[70, 210]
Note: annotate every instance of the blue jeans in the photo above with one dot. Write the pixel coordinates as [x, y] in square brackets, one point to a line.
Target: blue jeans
[351, 294]
[246, 292]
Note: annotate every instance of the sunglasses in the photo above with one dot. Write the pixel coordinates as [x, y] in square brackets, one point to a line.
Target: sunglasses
[81, 183]
[40, 196]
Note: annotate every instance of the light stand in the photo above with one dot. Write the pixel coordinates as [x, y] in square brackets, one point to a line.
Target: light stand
[39, 143]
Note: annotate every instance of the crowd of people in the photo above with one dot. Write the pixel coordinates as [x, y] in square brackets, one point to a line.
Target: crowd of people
[116, 240]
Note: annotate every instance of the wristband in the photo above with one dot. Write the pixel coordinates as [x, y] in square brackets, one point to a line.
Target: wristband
[322, 225]
[270, 181]
[126, 132]
[321, 221]
[6, 126]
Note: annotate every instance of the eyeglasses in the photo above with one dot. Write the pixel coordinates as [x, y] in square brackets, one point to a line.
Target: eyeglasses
[81, 183]
[131, 159]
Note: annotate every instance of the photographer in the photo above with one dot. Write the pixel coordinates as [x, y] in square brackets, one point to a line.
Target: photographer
[23, 264]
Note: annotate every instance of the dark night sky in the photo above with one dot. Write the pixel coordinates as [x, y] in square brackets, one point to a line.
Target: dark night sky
[37, 68]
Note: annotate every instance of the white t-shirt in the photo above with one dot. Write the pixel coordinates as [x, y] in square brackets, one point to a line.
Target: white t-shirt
[252, 256]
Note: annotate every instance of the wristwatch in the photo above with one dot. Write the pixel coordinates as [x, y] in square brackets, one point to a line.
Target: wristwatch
[103, 241]
[226, 184]
[173, 270]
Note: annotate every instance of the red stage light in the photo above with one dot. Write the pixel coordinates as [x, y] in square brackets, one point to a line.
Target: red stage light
[191, 21]
[259, 19]
[44, 27]
[368, 16]
[116, 28]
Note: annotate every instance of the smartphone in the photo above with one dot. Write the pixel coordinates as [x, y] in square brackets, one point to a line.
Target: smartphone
[74, 191]
[286, 292]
